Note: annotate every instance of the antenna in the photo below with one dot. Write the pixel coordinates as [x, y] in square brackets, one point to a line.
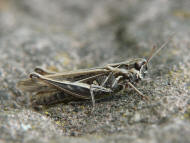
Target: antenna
[151, 53]
[154, 53]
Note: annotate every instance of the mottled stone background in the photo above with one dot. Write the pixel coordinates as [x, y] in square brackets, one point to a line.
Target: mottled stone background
[65, 35]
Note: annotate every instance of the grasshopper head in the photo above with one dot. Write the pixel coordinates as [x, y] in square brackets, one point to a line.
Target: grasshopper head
[133, 68]
[138, 64]
[141, 66]
[137, 68]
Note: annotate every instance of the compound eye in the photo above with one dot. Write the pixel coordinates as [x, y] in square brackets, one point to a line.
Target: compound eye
[138, 66]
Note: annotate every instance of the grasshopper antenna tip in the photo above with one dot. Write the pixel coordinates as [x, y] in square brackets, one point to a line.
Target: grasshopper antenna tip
[154, 53]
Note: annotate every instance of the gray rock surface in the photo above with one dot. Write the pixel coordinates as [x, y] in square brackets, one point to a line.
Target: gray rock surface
[65, 35]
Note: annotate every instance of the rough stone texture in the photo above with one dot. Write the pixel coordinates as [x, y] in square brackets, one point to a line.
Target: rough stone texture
[65, 35]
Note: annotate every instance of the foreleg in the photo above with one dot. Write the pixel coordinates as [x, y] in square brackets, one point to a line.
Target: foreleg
[140, 93]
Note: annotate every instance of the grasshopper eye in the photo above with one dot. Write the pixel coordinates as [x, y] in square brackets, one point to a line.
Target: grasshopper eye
[138, 66]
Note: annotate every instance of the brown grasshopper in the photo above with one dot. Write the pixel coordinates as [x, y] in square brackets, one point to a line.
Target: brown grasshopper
[51, 88]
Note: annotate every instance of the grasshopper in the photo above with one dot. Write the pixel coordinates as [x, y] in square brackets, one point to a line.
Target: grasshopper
[87, 84]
